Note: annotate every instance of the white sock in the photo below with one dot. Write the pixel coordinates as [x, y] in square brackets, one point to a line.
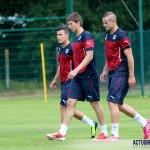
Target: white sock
[103, 129]
[61, 125]
[87, 120]
[63, 129]
[115, 129]
[142, 121]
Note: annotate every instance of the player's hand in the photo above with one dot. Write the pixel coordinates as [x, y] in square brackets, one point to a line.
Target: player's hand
[131, 81]
[103, 77]
[72, 74]
[53, 84]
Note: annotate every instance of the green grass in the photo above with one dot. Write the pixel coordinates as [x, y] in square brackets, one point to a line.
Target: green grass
[24, 122]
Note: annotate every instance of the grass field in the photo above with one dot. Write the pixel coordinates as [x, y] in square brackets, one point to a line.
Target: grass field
[24, 123]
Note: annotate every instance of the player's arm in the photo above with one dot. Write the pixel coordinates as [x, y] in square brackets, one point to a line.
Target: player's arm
[104, 73]
[87, 59]
[130, 59]
[57, 75]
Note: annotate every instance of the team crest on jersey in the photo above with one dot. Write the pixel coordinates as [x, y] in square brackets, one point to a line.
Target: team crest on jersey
[67, 50]
[114, 37]
[79, 37]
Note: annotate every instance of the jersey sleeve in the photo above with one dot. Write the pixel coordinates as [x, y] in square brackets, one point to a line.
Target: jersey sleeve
[88, 41]
[124, 41]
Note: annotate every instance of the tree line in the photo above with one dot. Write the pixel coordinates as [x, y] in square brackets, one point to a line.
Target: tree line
[91, 11]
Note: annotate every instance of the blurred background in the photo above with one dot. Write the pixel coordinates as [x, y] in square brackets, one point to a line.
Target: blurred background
[24, 25]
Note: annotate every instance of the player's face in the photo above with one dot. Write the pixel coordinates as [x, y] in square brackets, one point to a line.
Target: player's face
[73, 26]
[107, 23]
[62, 37]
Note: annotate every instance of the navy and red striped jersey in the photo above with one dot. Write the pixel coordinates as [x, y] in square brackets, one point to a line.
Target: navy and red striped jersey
[81, 44]
[65, 58]
[115, 44]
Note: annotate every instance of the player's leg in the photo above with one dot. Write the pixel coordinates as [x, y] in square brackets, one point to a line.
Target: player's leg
[71, 103]
[82, 117]
[78, 114]
[91, 90]
[115, 116]
[62, 112]
[77, 93]
[63, 106]
[131, 112]
[60, 135]
[118, 88]
[100, 116]
[64, 97]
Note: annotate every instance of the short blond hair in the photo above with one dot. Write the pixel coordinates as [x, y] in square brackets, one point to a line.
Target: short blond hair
[109, 13]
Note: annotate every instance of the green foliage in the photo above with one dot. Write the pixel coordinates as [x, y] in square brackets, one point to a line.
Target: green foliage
[91, 11]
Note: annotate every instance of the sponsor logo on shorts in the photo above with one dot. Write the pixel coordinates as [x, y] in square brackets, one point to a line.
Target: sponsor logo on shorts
[64, 101]
[90, 96]
[112, 97]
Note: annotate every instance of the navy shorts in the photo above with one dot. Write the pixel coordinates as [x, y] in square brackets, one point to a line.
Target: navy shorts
[118, 88]
[84, 89]
[65, 87]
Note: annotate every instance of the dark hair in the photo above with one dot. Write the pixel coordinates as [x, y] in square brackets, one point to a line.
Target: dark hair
[75, 17]
[65, 28]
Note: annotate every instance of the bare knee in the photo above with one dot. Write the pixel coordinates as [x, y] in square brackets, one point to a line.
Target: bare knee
[63, 108]
[71, 103]
[120, 107]
[94, 104]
